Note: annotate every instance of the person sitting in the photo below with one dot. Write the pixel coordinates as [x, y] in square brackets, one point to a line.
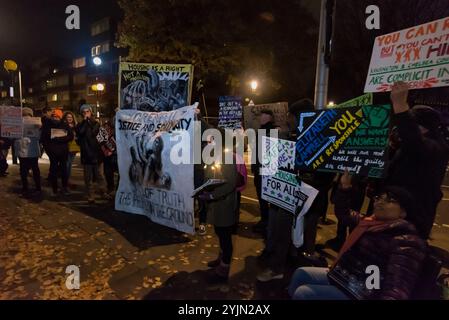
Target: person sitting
[384, 240]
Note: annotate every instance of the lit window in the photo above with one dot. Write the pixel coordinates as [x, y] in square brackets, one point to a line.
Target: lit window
[99, 49]
[54, 97]
[96, 50]
[4, 94]
[79, 62]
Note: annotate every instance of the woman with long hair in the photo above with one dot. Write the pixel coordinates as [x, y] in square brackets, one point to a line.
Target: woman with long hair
[70, 120]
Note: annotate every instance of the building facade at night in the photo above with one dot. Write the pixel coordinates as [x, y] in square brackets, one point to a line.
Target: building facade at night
[66, 83]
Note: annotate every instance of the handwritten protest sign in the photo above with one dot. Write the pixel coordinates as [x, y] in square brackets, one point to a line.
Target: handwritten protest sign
[277, 154]
[151, 184]
[417, 55]
[355, 138]
[154, 87]
[230, 112]
[363, 100]
[285, 191]
[11, 122]
[31, 127]
[279, 186]
[251, 115]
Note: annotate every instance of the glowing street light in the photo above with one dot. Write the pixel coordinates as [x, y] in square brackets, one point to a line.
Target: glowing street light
[97, 61]
[100, 87]
[331, 104]
[254, 84]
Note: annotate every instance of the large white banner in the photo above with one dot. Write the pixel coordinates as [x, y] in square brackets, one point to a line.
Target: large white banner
[417, 55]
[151, 183]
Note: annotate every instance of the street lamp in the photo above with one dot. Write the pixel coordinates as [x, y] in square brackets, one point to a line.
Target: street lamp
[98, 88]
[11, 65]
[97, 61]
[254, 84]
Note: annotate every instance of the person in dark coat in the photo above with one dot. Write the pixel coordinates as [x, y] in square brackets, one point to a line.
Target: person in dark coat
[266, 123]
[419, 165]
[5, 144]
[322, 181]
[91, 154]
[55, 137]
[384, 240]
[221, 204]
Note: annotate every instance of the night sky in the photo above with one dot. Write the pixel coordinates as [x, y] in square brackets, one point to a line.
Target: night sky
[35, 28]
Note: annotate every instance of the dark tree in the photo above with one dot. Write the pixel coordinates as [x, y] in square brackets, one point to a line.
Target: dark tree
[228, 41]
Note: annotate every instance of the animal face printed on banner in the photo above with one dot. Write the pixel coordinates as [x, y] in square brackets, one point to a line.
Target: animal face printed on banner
[355, 138]
[154, 87]
[150, 183]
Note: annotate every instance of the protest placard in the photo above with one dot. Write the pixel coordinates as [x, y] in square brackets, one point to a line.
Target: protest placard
[251, 115]
[11, 125]
[230, 112]
[363, 100]
[418, 55]
[154, 87]
[355, 138]
[31, 127]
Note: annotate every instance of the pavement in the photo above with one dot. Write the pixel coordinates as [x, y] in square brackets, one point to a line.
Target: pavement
[126, 256]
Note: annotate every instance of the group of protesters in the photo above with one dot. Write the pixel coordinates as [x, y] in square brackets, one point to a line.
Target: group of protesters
[61, 137]
[392, 235]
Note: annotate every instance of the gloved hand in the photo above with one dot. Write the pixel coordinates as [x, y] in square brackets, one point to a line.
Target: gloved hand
[206, 196]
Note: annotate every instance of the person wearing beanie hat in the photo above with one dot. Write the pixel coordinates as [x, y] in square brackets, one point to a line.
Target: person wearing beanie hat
[419, 164]
[55, 138]
[384, 240]
[57, 114]
[85, 107]
[27, 112]
[28, 151]
[91, 153]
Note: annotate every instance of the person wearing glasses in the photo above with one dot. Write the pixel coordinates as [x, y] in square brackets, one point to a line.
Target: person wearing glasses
[385, 242]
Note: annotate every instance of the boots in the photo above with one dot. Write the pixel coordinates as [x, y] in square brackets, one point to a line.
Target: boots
[216, 262]
[222, 270]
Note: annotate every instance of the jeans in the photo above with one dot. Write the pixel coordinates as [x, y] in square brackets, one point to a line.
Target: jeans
[110, 166]
[27, 164]
[279, 238]
[311, 283]
[69, 163]
[92, 175]
[225, 238]
[58, 164]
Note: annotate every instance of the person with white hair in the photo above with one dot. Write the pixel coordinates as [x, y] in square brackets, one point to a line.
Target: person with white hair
[28, 151]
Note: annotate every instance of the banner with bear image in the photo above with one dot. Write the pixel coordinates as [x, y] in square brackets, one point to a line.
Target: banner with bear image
[151, 184]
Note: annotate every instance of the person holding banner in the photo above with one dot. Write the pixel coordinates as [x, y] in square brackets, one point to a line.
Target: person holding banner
[419, 164]
[321, 181]
[55, 138]
[266, 123]
[28, 151]
[221, 206]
